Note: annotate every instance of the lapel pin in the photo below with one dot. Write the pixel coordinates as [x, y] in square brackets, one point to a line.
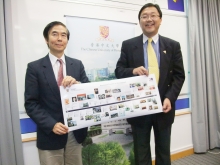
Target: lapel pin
[165, 52]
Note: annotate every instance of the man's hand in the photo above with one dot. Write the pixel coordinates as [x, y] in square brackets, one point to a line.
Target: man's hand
[140, 71]
[60, 129]
[68, 81]
[166, 105]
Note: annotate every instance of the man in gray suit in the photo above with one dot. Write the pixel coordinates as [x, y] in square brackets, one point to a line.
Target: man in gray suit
[133, 61]
[43, 103]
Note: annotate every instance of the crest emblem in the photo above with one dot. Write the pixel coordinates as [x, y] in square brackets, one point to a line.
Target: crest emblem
[104, 31]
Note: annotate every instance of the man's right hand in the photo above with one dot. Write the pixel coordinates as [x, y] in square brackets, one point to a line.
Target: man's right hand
[60, 129]
[140, 71]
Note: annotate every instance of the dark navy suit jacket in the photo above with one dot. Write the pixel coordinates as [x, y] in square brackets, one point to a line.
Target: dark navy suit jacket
[172, 74]
[43, 102]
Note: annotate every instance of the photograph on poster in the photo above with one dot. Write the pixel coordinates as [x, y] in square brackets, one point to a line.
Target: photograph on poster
[113, 107]
[154, 101]
[116, 90]
[114, 115]
[74, 99]
[144, 107]
[155, 107]
[108, 91]
[81, 97]
[106, 114]
[142, 101]
[148, 93]
[132, 85]
[96, 110]
[108, 95]
[137, 84]
[152, 87]
[90, 96]
[102, 96]
[131, 96]
[67, 101]
[120, 105]
[140, 88]
[83, 104]
[97, 118]
[89, 117]
[136, 106]
[96, 90]
[71, 123]
[118, 98]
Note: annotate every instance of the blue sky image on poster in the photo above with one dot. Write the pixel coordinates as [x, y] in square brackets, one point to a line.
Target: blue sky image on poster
[97, 43]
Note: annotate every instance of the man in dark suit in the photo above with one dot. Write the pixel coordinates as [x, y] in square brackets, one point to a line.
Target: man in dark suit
[43, 103]
[133, 61]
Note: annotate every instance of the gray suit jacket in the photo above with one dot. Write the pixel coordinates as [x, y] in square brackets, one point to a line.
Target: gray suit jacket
[43, 102]
[172, 74]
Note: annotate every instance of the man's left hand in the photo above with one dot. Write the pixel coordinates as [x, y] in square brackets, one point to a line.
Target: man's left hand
[68, 81]
[166, 105]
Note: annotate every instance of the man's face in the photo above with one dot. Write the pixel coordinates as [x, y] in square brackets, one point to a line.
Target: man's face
[150, 21]
[57, 39]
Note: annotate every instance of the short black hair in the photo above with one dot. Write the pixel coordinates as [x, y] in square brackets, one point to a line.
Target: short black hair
[50, 26]
[150, 5]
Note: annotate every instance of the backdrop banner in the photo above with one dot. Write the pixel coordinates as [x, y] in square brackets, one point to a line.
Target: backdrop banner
[97, 43]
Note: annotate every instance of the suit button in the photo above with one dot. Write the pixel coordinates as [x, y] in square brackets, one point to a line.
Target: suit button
[171, 71]
[168, 85]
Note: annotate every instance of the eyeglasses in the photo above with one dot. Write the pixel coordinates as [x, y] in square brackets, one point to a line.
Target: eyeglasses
[152, 17]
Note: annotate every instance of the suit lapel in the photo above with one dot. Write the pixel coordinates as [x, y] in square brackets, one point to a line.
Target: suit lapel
[164, 59]
[50, 77]
[138, 52]
[69, 67]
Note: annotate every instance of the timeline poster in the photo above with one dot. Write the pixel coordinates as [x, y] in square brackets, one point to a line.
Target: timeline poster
[100, 102]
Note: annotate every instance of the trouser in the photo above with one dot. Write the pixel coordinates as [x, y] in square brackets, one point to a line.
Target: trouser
[141, 136]
[70, 155]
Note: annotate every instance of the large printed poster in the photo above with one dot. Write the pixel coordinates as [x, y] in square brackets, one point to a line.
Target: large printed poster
[99, 102]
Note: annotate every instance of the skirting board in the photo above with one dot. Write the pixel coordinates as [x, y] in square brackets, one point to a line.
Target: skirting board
[179, 155]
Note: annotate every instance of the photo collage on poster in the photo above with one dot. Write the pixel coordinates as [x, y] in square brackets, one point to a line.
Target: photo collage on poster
[99, 102]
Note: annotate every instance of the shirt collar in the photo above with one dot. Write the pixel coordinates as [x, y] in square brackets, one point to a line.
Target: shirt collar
[154, 38]
[53, 59]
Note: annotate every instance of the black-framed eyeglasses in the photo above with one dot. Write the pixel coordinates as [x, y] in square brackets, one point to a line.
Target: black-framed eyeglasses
[152, 17]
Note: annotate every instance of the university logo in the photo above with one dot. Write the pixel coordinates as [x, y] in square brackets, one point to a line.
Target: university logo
[104, 31]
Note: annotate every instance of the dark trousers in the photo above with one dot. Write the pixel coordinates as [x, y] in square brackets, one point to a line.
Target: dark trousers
[141, 136]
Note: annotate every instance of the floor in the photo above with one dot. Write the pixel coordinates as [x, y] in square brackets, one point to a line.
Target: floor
[212, 157]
